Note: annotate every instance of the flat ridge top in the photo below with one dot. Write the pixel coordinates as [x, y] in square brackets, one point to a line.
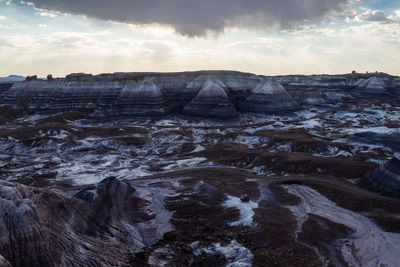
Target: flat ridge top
[124, 76]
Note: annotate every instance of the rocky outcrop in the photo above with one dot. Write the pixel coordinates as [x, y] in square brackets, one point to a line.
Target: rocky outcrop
[12, 79]
[373, 83]
[396, 83]
[4, 87]
[314, 81]
[268, 96]
[211, 102]
[136, 100]
[373, 86]
[4, 262]
[101, 225]
[385, 179]
[61, 95]
[389, 140]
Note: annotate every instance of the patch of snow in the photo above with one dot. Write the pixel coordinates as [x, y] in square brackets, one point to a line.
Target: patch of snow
[278, 124]
[91, 169]
[311, 123]
[305, 114]
[333, 151]
[377, 161]
[250, 141]
[166, 123]
[198, 148]
[161, 257]
[353, 181]
[252, 130]
[283, 148]
[184, 163]
[154, 229]
[34, 118]
[378, 129]
[245, 208]
[235, 254]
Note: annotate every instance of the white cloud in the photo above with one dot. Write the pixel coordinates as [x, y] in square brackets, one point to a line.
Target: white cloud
[3, 18]
[49, 14]
[6, 2]
[396, 16]
[4, 43]
[376, 16]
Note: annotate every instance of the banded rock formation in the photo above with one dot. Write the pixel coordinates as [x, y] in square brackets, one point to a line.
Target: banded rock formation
[4, 87]
[212, 101]
[136, 100]
[373, 83]
[268, 96]
[62, 95]
[385, 179]
[314, 81]
[133, 95]
[373, 86]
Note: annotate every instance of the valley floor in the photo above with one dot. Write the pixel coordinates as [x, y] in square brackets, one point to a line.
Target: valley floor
[300, 171]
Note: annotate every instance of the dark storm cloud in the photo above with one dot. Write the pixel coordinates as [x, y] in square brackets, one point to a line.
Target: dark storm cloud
[196, 17]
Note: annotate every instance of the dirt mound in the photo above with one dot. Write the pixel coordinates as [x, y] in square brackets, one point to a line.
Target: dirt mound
[286, 162]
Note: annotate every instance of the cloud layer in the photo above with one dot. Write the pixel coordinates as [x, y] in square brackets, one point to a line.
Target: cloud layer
[197, 17]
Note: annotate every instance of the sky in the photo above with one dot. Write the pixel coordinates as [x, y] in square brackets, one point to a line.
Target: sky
[267, 37]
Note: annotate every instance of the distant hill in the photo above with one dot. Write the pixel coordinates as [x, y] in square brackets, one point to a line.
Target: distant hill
[12, 78]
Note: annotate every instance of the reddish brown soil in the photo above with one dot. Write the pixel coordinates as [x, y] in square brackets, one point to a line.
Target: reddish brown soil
[289, 162]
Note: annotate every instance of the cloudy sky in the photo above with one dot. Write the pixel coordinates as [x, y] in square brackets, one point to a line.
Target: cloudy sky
[260, 36]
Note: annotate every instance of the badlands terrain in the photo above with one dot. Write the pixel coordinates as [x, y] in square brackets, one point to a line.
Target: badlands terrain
[210, 168]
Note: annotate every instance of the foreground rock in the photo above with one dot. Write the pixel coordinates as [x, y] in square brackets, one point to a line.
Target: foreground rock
[385, 179]
[47, 228]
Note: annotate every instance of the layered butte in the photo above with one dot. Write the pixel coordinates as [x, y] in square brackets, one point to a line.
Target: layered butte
[210, 94]
[268, 96]
[212, 101]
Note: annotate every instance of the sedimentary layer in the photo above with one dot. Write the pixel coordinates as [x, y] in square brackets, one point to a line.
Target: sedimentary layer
[268, 96]
[213, 94]
[212, 101]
